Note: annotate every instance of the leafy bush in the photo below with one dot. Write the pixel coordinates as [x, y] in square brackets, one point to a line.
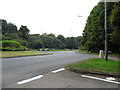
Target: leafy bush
[9, 45]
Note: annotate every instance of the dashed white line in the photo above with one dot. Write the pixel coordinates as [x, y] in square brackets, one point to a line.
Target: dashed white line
[101, 79]
[29, 80]
[55, 71]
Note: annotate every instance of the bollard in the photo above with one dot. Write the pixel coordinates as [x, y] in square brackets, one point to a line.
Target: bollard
[101, 54]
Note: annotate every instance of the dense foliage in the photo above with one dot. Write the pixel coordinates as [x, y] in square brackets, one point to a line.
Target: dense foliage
[37, 41]
[94, 32]
[11, 45]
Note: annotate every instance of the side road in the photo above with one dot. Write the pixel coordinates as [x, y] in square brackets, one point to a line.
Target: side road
[110, 57]
[64, 79]
[116, 57]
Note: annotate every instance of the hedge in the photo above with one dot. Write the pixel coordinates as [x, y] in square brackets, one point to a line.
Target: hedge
[10, 45]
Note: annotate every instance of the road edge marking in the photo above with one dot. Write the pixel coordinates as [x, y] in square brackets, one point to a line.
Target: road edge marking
[100, 79]
[29, 80]
[55, 71]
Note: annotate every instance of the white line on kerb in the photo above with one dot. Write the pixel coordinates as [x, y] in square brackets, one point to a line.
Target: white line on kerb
[100, 79]
[29, 80]
[58, 70]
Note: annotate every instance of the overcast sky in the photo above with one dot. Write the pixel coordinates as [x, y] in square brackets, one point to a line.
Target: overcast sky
[50, 16]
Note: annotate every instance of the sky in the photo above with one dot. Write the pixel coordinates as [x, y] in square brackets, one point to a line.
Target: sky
[48, 16]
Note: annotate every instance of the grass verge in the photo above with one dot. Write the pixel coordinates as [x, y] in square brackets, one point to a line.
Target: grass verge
[96, 65]
[6, 54]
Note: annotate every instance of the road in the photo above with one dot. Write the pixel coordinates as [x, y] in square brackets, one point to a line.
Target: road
[21, 68]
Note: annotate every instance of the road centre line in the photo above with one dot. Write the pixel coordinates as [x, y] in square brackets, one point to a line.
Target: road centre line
[31, 79]
[55, 71]
[101, 79]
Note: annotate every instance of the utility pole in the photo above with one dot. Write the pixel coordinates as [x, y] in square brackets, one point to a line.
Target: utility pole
[106, 44]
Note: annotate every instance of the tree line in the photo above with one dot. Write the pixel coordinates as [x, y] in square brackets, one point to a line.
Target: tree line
[94, 33]
[37, 41]
[93, 38]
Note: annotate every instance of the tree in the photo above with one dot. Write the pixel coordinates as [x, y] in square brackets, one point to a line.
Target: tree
[62, 41]
[4, 26]
[12, 28]
[61, 37]
[51, 34]
[115, 25]
[78, 41]
[70, 42]
[12, 35]
[8, 27]
[36, 41]
[94, 33]
[36, 44]
[24, 31]
[50, 41]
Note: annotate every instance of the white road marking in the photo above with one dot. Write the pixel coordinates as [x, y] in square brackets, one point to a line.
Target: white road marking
[55, 71]
[29, 80]
[101, 79]
[110, 78]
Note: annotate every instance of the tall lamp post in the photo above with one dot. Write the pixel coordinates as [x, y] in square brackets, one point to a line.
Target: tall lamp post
[80, 16]
[106, 44]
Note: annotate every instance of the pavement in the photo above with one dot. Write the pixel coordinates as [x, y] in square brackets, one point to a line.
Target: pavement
[64, 79]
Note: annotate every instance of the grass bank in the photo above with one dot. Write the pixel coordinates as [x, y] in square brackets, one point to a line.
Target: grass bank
[96, 65]
[6, 54]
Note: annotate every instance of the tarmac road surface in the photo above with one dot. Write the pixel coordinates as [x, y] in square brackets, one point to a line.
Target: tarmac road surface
[21, 68]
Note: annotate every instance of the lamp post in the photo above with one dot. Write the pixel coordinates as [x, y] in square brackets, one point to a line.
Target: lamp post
[80, 16]
[106, 48]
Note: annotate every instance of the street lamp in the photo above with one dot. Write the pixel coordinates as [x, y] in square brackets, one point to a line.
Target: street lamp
[79, 16]
[106, 48]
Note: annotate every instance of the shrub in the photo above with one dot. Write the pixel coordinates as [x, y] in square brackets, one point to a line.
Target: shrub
[9, 45]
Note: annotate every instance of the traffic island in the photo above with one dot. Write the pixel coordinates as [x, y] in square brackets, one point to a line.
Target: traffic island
[96, 67]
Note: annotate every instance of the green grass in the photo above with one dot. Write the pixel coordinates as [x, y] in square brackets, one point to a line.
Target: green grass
[97, 65]
[5, 54]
